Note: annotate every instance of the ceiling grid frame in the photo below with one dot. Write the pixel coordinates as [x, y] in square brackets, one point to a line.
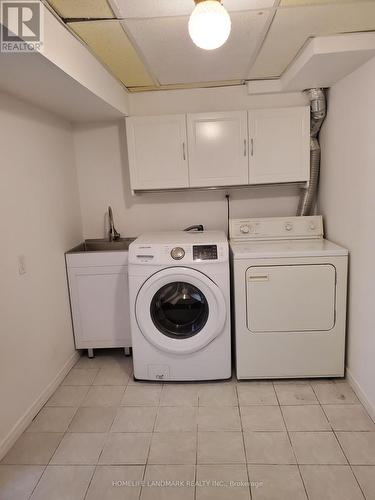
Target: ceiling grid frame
[261, 42]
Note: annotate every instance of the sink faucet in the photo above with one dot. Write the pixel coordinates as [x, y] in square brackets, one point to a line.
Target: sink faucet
[113, 235]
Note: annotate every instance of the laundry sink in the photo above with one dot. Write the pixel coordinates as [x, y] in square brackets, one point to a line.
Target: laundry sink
[98, 245]
[102, 245]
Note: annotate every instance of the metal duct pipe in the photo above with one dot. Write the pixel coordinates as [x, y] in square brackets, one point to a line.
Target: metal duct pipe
[318, 107]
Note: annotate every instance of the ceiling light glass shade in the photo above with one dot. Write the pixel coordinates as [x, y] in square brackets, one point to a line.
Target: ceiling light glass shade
[209, 25]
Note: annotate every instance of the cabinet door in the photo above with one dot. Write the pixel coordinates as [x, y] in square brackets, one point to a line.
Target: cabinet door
[100, 306]
[279, 145]
[157, 151]
[217, 148]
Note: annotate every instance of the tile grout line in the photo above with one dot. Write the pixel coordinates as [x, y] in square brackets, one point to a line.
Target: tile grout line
[196, 448]
[101, 452]
[146, 464]
[338, 441]
[349, 464]
[290, 442]
[143, 479]
[243, 442]
[36, 485]
[91, 478]
[356, 479]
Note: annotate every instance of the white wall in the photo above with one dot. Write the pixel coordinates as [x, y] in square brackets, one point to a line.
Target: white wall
[102, 165]
[347, 200]
[210, 99]
[40, 219]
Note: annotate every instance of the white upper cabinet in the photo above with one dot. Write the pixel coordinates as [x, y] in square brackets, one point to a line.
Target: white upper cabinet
[230, 148]
[279, 142]
[157, 150]
[217, 144]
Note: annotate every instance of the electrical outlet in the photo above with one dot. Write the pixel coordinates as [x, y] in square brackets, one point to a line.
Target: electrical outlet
[21, 264]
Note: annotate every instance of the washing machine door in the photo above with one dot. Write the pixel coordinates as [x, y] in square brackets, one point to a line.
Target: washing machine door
[180, 310]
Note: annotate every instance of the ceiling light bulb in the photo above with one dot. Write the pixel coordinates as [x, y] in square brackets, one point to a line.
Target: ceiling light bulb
[209, 24]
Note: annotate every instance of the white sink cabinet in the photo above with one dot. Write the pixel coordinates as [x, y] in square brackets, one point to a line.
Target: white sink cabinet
[98, 286]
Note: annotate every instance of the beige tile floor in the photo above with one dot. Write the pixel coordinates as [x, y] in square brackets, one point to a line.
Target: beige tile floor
[104, 436]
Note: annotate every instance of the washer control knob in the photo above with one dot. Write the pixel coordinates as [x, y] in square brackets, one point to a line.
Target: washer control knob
[244, 229]
[312, 226]
[177, 253]
[288, 226]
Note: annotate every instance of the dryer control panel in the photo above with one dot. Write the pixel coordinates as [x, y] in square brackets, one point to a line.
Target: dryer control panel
[276, 228]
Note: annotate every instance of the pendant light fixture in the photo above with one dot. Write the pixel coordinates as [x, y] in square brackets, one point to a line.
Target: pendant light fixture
[209, 24]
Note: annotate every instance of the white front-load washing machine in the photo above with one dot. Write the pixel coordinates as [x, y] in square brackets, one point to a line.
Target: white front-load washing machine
[179, 291]
[289, 298]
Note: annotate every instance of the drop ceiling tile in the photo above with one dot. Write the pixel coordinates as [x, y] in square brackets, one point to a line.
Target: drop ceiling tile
[173, 58]
[151, 8]
[289, 3]
[127, 9]
[292, 27]
[184, 86]
[84, 9]
[238, 5]
[233, 5]
[110, 44]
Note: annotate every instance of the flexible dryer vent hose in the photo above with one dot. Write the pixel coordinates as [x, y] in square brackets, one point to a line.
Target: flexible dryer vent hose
[318, 110]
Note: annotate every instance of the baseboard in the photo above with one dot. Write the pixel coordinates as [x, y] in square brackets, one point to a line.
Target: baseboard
[36, 406]
[362, 396]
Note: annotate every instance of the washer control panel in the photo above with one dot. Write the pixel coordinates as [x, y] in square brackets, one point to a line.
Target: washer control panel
[204, 252]
[276, 228]
[178, 254]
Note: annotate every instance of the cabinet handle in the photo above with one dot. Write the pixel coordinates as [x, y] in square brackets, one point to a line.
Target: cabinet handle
[252, 147]
[183, 151]
[244, 147]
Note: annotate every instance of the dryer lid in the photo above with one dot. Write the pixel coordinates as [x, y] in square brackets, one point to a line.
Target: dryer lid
[286, 248]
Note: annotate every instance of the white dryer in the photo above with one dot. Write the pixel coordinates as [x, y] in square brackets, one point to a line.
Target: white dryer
[180, 306]
[289, 297]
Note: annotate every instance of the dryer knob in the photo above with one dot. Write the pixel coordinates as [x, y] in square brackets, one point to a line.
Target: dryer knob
[177, 253]
[244, 229]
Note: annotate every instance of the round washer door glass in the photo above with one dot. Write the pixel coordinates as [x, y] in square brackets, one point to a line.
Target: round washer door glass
[179, 310]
